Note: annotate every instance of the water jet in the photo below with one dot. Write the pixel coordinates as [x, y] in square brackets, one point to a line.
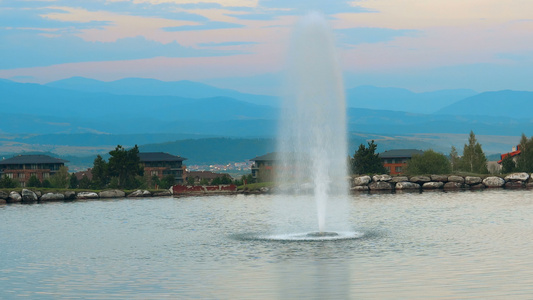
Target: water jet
[312, 140]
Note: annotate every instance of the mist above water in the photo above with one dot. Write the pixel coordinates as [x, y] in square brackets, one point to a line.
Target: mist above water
[312, 139]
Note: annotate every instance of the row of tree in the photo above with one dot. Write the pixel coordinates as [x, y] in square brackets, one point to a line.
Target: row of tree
[122, 170]
[366, 161]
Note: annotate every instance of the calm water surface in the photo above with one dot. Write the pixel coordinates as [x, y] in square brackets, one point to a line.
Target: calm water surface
[475, 245]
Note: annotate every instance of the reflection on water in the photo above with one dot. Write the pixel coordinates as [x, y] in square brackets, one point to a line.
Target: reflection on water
[414, 246]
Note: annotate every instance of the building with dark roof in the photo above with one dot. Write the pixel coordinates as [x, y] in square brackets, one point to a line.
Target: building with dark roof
[263, 167]
[162, 164]
[395, 160]
[22, 167]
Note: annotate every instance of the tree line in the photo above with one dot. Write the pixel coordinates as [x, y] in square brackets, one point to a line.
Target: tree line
[123, 170]
[472, 161]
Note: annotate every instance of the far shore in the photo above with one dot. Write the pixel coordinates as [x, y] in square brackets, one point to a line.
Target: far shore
[359, 184]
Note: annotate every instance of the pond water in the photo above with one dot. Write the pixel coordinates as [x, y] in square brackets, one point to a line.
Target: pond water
[408, 246]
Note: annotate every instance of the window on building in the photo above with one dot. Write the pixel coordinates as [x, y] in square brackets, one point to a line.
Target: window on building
[33, 174]
[398, 169]
[46, 175]
[154, 173]
[33, 166]
[9, 175]
[22, 175]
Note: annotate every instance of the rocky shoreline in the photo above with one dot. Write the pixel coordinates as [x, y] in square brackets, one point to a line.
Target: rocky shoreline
[437, 182]
[36, 196]
[362, 183]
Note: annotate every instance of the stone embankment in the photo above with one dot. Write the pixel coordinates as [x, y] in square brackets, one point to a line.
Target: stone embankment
[33, 196]
[436, 182]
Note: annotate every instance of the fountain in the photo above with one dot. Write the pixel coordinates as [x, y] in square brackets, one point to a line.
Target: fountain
[312, 141]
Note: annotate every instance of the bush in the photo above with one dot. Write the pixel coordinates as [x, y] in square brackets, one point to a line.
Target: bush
[429, 162]
[7, 182]
[33, 182]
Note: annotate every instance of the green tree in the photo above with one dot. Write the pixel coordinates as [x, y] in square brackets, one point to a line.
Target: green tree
[224, 179]
[7, 182]
[60, 179]
[73, 182]
[366, 161]
[84, 183]
[154, 181]
[429, 162]
[508, 165]
[474, 159]
[167, 181]
[33, 182]
[99, 173]
[524, 162]
[190, 180]
[125, 165]
[46, 183]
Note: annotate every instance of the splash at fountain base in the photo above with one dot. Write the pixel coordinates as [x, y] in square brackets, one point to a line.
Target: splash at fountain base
[303, 236]
[322, 234]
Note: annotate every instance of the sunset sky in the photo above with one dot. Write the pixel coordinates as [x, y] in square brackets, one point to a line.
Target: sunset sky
[422, 45]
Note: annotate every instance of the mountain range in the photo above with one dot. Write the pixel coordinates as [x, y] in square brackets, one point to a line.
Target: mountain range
[81, 112]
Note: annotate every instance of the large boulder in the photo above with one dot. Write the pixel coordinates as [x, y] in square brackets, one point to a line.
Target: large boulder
[383, 177]
[407, 185]
[455, 178]
[140, 193]
[433, 185]
[473, 180]
[522, 176]
[451, 185]
[361, 180]
[14, 197]
[439, 178]
[397, 179]
[112, 194]
[380, 186]
[28, 196]
[514, 184]
[52, 197]
[4, 195]
[477, 186]
[360, 188]
[493, 182]
[420, 179]
[87, 195]
[69, 195]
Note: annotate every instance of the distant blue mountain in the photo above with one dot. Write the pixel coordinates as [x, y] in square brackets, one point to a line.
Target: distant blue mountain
[507, 103]
[44, 109]
[397, 99]
[153, 87]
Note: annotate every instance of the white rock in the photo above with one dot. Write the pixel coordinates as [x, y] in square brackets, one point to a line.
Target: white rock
[383, 177]
[406, 185]
[361, 180]
[522, 176]
[87, 195]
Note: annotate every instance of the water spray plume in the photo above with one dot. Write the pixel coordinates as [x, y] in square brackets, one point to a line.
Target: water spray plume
[312, 145]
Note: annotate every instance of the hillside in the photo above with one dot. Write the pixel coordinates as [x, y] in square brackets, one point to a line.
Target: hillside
[397, 99]
[507, 103]
[153, 87]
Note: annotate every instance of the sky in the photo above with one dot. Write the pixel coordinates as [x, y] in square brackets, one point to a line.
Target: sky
[421, 45]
